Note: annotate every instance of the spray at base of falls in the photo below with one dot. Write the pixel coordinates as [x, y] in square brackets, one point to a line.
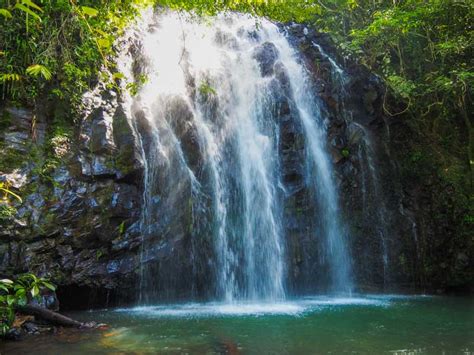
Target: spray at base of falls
[210, 123]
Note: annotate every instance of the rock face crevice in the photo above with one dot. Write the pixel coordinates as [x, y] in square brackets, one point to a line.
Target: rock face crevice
[80, 222]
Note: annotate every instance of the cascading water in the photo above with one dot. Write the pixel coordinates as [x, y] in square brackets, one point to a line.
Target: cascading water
[370, 180]
[210, 124]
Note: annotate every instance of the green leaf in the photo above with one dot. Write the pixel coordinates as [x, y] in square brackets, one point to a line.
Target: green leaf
[20, 293]
[49, 285]
[30, 3]
[34, 291]
[22, 301]
[89, 11]
[6, 281]
[11, 192]
[9, 77]
[28, 11]
[206, 90]
[102, 33]
[37, 70]
[5, 13]
[104, 43]
[11, 300]
[116, 76]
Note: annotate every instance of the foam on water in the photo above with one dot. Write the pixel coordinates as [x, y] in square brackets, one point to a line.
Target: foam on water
[297, 307]
[207, 310]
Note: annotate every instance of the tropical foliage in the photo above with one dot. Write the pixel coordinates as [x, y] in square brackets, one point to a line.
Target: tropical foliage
[55, 49]
[19, 292]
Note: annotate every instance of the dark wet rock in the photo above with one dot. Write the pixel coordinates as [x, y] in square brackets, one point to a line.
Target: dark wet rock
[184, 129]
[369, 98]
[13, 334]
[128, 161]
[101, 138]
[68, 225]
[266, 56]
[30, 328]
[282, 76]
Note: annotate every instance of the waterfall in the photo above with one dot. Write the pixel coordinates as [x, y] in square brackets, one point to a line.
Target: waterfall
[373, 200]
[371, 182]
[210, 121]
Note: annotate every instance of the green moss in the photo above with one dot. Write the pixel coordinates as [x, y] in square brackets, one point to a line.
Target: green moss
[206, 90]
[345, 152]
[49, 218]
[7, 211]
[5, 120]
[11, 159]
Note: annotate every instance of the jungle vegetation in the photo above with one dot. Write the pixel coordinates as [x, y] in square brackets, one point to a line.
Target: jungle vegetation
[18, 292]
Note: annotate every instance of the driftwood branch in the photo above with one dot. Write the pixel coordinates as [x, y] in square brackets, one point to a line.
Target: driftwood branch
[51, 316]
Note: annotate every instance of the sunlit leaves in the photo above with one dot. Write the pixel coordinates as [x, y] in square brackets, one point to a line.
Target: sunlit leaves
[104, 43]
[89, 11]
[6, 77]
[34, 291]
[31, 5]
[5, 13]
[118, 76]
[30, 8]
[38, 70]
[401, 86]
[456, 45]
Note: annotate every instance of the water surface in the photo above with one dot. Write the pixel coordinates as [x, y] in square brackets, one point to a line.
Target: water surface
[315, 325]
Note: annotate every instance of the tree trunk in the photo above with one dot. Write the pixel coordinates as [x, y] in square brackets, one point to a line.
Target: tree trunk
[50, 316]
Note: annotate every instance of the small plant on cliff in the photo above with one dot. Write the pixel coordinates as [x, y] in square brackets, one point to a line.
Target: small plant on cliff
[345, 152]
[6, 210]
[4, 187]
[19, 292]
[206, 90]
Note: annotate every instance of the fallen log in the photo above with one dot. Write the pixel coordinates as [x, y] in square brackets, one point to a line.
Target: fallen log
[51, 316]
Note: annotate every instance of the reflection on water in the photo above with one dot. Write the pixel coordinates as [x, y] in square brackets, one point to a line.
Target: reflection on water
[314, 325]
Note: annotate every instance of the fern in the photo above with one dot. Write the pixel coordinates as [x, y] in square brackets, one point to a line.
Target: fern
[28, 11]
[31, 4]
[9, 77]
[5, 13]
[36, 70]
